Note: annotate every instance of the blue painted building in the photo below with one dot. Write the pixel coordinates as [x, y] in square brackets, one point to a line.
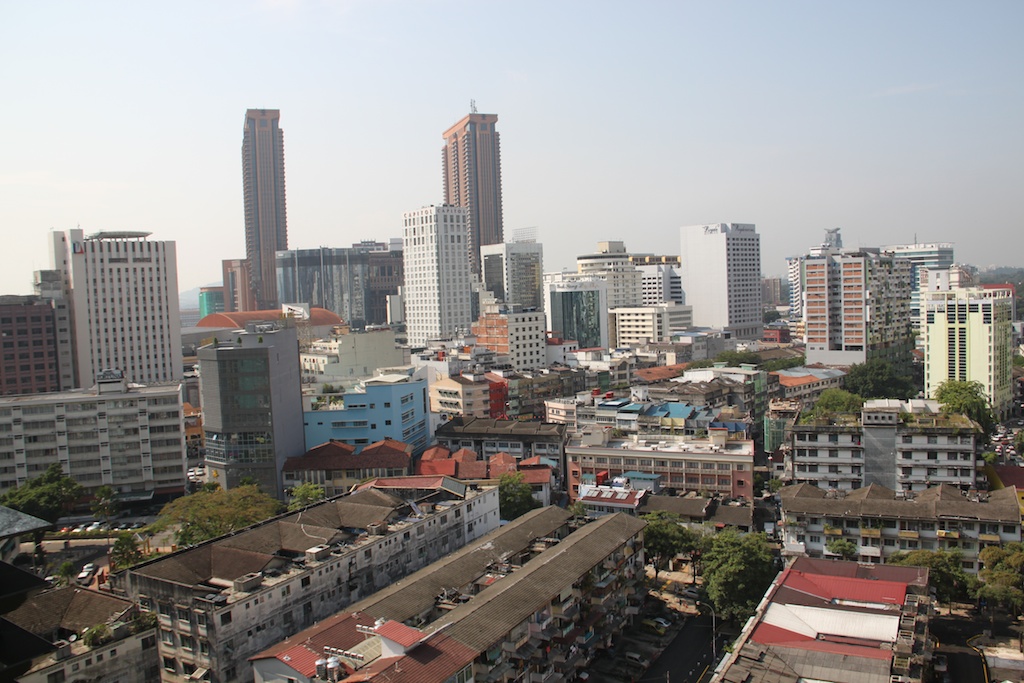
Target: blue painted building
[392, 406]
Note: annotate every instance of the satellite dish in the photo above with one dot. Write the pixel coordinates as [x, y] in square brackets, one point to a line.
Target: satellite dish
[73, 637]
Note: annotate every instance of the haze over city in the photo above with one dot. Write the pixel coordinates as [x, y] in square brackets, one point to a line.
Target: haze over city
[893, 122]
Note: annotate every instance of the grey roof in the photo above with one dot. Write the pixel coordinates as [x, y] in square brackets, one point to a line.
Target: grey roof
[205, 562]
[492, 614]
[937, 502]
[417, 592]
[508, 428]
[15, 523]
[70, 608]
[778, 664]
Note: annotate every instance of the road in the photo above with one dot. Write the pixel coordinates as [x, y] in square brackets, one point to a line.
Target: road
[687, 657]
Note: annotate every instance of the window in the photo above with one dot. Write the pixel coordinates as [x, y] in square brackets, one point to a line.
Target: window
[225, 619]
[170, 664]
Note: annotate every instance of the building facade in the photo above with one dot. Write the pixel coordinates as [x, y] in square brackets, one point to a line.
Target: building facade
[237, 285]
[967, 335]
[611, 262]
[518, 335]
[900, 445]
[857, 308]
[123, 291]
[131, 438]
[31, 347]
[577, 309]
[922, 257]
[881, 521]
[252, 405]
[211, 300]
[636, 326]
[266, 215]
[353, 282]
[721, 266]
[438, 277]
[471, 163]
[382, 407]
[514, 272]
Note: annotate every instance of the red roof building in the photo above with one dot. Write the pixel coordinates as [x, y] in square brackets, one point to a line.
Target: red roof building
[318, 317]
[337, 467]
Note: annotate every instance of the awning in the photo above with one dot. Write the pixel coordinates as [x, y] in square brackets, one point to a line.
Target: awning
[199, 674]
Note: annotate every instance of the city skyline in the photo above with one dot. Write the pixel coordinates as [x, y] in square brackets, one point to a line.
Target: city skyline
[891, 122]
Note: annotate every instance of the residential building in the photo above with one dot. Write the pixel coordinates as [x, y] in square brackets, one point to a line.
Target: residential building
[577, 308]
[471, 164]
[528, 601]
[922, 257]
[518, 335]
[438, 277]
[32, 361]
[856, 308]
[967, 335]
[612, 264]
[227, 599]
[337, 467]
[123, 294]
[805, 384]
[117, 434]
[392, 406]
[714, 465]
[636, 326]
[238, 294]
[721, 266]
[748, 387]
[772, 289]
[777, 334]
[353, 282]
[55, 621]
[488, 437]
[266, 215]
[660, 283]
[514, 272]
[252, 405]
[466, 395]
[347, 357]
[836, 621]
[702, 511]
[901, 445]
[881, 521]
[778, 421]
[795, 273]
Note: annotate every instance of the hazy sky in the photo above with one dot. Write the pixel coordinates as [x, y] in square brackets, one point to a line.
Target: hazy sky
[618, 120]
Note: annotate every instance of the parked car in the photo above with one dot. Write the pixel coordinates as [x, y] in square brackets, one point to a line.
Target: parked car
[691, 593]
[652, 626]
[663, 622]
[637, 659]
[85, 576]
[940, 663]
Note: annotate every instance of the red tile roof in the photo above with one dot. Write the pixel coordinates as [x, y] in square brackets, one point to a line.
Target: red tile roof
[317, 317]
[335, 455]
[436, 452]
[790, 381]
[438, 658]
[387, 447]
[424, 482]
[536, 475]
[464, 454]
[661, 372]
[472, 469]
[428, 467]
[406, 636]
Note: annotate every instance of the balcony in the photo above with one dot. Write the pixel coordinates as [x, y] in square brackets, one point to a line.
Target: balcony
[794, 548]
[870, 551]
[947, 533]
[989, 538]
[833, 531]
[907, 533]
[870, 533]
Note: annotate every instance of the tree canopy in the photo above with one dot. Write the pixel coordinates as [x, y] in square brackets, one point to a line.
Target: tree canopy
[305, 495]
[843, 547]
[738, 568]
[515, 497]
[945, 571]
[969, 399]
[663, 538]
[208, 514]
[104, 504]
[47, 497]
[126, 551]
[836, 401]
[878, 379]
[1001, 574]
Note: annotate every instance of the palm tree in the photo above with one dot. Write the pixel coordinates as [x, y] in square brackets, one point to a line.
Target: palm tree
[104, 506]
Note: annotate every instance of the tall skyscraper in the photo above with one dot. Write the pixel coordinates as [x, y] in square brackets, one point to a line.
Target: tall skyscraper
[922, 257]
[266, 219]
[437, 290]
[967, 335]
[577, 309]
[471, 160]
[856, 307]
[123, 291]
[514, 272]
[721, 266]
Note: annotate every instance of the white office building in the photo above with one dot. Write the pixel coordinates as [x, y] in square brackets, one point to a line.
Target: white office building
[721, 266]
[123, 290]
[438, 289]
[661, 283]
[646, 324]
[514, 272]
[612, 264]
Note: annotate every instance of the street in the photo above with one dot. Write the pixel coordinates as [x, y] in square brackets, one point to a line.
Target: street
[687, 657]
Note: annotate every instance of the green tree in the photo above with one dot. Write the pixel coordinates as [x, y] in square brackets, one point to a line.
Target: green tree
[65, 572]
[577, 509]
[96, 635]
[989, 457]
[836, 401]
[696, 542]
[104, 504]
[126, 551]
[515, 497]
[770, 316]
[783, 363]
[737, 358]
[47, 497]
[843, 547]
[878, 379]
[305, 495]
[738, 568]
[945, 571]
[967, 398]
[208, 514]
[775, 484]
[1001, 576]
[1018, 360]
[1018, 442]
[663, 538]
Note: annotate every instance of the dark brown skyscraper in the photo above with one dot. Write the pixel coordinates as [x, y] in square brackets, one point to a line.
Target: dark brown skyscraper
[472, 178]
[266, 220]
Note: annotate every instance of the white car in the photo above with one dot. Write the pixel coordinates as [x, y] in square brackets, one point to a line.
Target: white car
[85, 576]
[637, 659]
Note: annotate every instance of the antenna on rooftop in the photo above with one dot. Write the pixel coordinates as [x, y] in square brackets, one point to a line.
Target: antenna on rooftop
[472, 106]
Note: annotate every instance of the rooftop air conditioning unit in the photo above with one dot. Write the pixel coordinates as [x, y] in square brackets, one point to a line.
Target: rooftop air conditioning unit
[248, 582]
[317, 553]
